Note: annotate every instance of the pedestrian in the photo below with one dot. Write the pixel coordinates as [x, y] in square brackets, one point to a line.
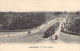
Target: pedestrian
[56, 37]
[29, 32]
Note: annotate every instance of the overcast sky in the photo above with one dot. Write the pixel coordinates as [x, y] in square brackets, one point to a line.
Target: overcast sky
[39, 5]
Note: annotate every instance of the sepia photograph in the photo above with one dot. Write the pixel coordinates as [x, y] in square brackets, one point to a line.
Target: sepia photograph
[40, 24]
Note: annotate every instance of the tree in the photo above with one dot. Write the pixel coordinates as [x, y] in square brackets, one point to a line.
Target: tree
[75, 27]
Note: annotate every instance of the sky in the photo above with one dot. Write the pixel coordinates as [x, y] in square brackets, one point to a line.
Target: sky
[39, 5]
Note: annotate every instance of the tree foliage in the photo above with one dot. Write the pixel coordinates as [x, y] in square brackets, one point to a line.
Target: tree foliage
[14, 20]
[75, 27]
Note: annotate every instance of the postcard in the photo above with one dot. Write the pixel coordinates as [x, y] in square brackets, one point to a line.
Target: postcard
[39, 25]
